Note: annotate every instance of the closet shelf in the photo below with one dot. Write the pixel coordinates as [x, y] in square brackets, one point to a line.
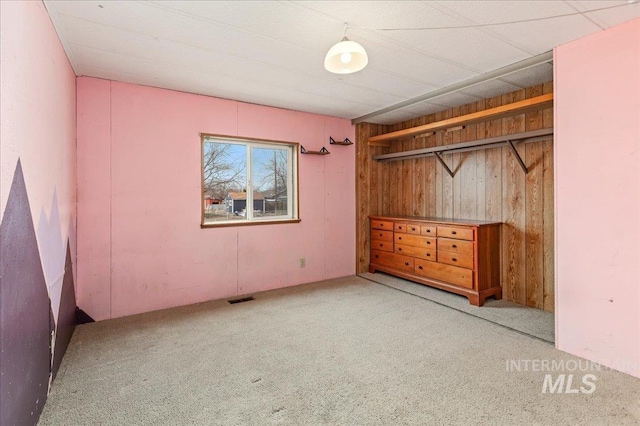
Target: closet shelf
[437, 151]
[519, 107]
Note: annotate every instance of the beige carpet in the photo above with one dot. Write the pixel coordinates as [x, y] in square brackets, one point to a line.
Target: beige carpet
[534, 322]
[345, 352]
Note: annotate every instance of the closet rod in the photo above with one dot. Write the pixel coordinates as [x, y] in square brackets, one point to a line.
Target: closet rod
[498, 141]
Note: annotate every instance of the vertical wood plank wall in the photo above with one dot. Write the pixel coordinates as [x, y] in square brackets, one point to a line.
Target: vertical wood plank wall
[488, 185]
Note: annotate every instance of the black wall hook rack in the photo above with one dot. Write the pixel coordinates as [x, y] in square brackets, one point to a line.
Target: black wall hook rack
[346, 141]
[323, 151]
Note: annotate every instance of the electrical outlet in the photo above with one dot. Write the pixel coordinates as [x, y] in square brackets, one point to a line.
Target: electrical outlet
[303, 262]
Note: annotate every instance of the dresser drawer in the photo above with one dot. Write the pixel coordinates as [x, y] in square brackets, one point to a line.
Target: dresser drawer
[381, 224]
[421, 252]
[413, 228]
[378, 234]
[382, 245]
[415, 240]
[429, 230]
[456, 259]
[449, 274]
[455, 232]
[392, 260]
[400, 227]
[455, 246]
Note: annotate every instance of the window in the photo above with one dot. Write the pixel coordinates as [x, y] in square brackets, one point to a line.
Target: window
[248, 181]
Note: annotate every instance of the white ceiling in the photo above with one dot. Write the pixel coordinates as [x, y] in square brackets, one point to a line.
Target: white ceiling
[272, 52]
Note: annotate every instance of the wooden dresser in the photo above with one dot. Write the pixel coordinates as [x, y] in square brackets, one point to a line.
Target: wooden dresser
[459, 256]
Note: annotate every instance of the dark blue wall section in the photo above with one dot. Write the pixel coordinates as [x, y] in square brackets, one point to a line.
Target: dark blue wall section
[66, 315]
[25, 354]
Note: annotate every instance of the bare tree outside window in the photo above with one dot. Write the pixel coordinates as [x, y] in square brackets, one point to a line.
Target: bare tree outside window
[271, 175]
[224, 173]
[224, 169]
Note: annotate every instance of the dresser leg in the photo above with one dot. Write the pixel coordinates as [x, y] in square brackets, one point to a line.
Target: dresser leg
[475, 300]
[499, 294]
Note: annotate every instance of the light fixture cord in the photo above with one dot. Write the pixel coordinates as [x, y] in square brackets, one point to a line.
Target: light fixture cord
[346, 27]
[495, 24]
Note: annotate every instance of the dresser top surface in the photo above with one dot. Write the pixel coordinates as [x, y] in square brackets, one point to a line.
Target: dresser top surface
[467, 222]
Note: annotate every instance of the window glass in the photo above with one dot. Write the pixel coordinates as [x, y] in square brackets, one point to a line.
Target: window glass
[248, 181]
[271, 177]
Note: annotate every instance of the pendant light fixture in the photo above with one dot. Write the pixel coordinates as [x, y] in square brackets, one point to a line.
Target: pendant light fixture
[346, 57]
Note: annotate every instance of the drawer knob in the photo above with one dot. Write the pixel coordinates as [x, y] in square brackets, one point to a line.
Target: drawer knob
[376, 256]
[381, 235]
[406, 263]
[428, 230]
[419, 267]
[428, 242]
[413, 229]
[400, 249]
[454, 246]
[454, 259]
[428, 254]
[399, 238]
[381, 244]
[453, 232]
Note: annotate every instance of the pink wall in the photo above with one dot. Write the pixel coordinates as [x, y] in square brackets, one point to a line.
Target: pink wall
[597, 169]
[37, 208]
[38, 126]
[140, 246]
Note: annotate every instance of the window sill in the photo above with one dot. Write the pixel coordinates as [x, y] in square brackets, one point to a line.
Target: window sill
[247, 223]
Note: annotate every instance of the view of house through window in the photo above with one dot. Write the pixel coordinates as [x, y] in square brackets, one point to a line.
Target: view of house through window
[248, 180]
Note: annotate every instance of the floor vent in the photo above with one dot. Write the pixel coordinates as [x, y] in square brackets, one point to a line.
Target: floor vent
[244, 299]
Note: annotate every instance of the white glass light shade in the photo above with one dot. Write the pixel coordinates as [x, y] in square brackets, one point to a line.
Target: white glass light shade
[346, 57]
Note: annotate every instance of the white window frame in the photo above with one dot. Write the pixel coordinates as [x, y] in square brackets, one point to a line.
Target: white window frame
[292, 149]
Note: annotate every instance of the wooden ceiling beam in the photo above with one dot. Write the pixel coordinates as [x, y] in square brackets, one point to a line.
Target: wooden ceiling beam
[519, 107]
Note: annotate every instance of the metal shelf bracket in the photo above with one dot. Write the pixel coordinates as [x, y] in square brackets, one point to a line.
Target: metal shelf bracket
[517, 155]
[443, 164]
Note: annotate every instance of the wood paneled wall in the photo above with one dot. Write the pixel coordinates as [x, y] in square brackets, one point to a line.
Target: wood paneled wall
[488, 185]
